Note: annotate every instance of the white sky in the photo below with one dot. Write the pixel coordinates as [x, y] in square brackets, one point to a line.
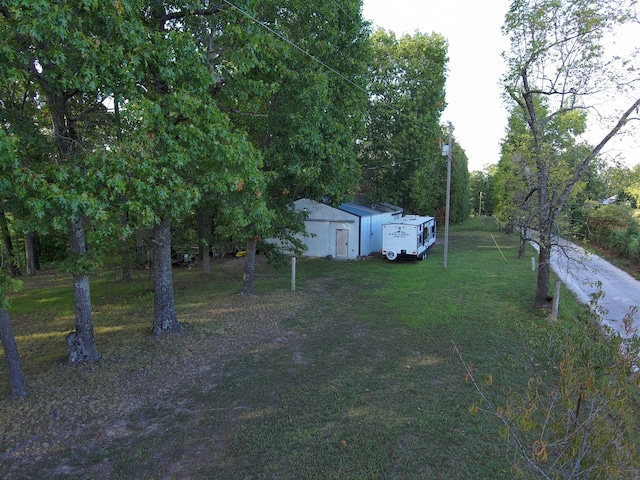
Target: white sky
[473, 91]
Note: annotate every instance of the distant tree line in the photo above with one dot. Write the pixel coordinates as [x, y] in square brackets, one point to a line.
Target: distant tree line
[401, 151]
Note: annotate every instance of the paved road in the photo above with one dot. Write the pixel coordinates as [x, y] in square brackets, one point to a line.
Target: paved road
[581, 272]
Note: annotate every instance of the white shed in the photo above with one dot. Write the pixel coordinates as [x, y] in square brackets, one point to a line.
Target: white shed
[370, 223]
[346, 232]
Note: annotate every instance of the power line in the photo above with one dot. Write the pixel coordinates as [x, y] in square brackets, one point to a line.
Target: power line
[394, 164]
[320, 62]
[344, 10]
[285, 39]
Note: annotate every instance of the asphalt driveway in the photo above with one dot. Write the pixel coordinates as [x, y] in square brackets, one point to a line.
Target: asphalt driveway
[581, 271]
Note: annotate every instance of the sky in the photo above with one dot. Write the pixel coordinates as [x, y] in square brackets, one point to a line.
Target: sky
[475, 106]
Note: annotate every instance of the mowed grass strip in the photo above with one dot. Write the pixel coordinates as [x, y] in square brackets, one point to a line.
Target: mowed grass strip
[351, 376]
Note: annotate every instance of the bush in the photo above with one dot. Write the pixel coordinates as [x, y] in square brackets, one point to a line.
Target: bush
[614, 228]
[577, 422]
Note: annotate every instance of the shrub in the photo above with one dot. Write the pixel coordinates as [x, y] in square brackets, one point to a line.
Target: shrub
[579, 423]
[614, 228]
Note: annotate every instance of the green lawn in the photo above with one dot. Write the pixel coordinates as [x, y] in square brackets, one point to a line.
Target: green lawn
[352, 376]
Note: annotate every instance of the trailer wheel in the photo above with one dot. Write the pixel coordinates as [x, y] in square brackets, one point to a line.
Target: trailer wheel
[391, 255]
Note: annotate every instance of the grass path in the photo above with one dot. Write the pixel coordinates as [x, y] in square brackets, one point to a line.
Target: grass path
[351, 376]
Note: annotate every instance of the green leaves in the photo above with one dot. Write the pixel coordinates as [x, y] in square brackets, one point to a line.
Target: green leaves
[171, 75]
[7, 284]
[302, 116]
[558, 70]
[400, 154]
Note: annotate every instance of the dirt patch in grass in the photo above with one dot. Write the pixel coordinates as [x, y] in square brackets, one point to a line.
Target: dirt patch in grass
[74, 414]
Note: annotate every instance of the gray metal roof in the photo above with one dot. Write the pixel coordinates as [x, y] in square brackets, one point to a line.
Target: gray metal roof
[365, 211]
[387, 207]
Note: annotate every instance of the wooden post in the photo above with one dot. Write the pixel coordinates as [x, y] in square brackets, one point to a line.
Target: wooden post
[293, 274]
[556, 300]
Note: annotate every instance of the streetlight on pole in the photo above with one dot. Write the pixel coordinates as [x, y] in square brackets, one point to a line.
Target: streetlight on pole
[447, 210]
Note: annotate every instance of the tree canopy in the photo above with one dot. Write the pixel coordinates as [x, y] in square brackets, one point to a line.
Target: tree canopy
[400, 153]
[131, 114]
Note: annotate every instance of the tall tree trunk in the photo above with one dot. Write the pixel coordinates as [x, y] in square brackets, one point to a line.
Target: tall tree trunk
[200, 229]
[31, 253]
[16, 377]
[523, 242]
[204, 225]
[125, 257]
[544, 269]
[81, 343]
[8, 245]
[165, 319]
[142, 255]
[206, 260]
[248, 279]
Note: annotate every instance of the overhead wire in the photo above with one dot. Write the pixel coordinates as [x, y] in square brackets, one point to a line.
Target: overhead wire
[320, 62]
[393, 164]
[297, 47]
[344, 11]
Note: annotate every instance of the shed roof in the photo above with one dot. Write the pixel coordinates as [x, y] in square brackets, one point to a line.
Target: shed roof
[387, 207]
[365, 211]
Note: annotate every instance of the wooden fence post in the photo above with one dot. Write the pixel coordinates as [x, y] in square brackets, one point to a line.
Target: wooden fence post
[293, 274]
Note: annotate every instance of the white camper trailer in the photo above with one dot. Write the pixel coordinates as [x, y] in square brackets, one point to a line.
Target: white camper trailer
[408, 236]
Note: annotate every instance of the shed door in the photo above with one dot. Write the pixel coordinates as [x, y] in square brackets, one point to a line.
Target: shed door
[342, 243]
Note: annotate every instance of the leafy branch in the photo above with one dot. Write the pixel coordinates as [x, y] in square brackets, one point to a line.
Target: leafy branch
[497, 412]
[575, 424]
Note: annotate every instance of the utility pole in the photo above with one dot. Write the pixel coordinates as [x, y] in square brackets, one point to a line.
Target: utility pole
[447, 211]
[480, 206]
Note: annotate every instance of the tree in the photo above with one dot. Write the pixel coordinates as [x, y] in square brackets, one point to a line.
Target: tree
[632, 187]
[400, 153]
[460, 205]
[481, 187]
[178, 147]
[299, 92]
[23, 118]
[557, 62]
[8, 167]
[168, 143]
[169, 165]
[574, 425]
[71, 55]
[514, 192]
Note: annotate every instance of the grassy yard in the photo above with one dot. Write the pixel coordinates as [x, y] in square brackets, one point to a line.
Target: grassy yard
[352, 376]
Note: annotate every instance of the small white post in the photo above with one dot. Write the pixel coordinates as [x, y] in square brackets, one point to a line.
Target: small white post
[293, 274]
[555, 305]
[533, 264]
